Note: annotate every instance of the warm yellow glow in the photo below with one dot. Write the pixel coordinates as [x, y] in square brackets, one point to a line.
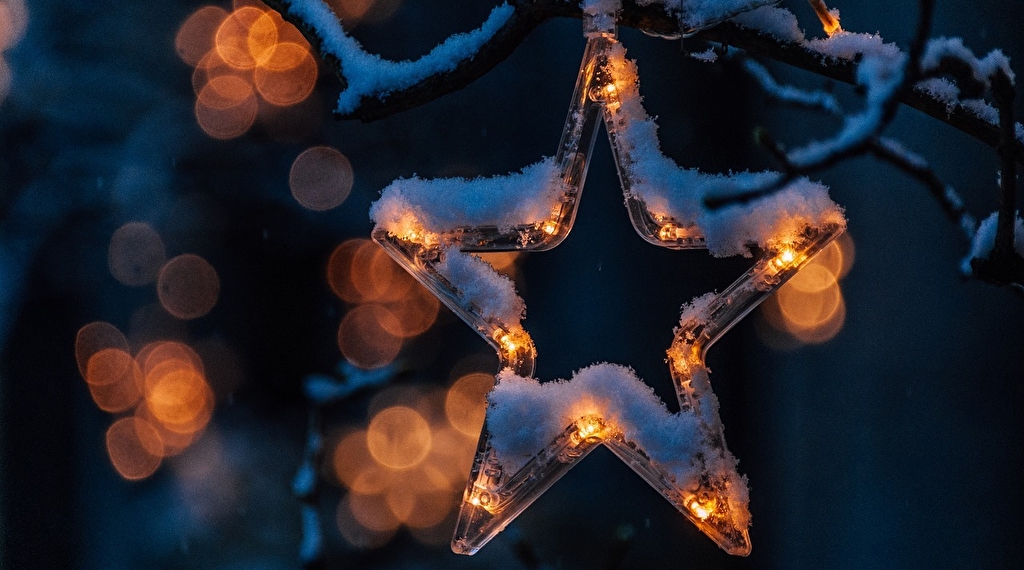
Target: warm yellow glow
[699, 510]
[667, 232]
[550, 228]
[828, 21]
[785, 257]
[513, 341]
[702, 506]
[588, 427]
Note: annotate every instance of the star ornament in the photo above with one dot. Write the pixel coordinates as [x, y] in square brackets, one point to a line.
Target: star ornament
[534, 433]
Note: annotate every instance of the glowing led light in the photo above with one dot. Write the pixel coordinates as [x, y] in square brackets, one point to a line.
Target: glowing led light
[829, 22]
[699, 510]
[785, 257]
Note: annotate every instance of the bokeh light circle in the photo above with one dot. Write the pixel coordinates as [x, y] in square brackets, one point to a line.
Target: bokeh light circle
[465, 403]
[398, 438]
[135, 254]
[134, 448]
[188, 286]
[320, 178]
[364, 338]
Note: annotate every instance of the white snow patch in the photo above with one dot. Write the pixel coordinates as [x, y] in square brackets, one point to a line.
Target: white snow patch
[983, 69]
[444, 204]
[707, 56]
[525, 415]
[369, 75]
[773, 21]
[985, 240]
[479, 285]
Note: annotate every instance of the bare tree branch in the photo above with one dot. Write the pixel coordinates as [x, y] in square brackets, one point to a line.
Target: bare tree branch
[890, 151]
[1004, 265]
[650, 18]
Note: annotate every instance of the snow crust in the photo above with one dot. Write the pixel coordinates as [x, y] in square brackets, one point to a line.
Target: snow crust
[773, 21]
[525, 415]
[700, 14]
[983, 69]
[985, 240]
[371, 75]
[669, 190]
[481, 286]
[447, 203]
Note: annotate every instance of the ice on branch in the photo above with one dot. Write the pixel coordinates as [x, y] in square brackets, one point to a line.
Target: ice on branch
[526, 415]
[414, 205]
[985, 240]
[491, 294]
[772, 21]
[983, 69]
[700, 14]
[370, 75]
[672, 192]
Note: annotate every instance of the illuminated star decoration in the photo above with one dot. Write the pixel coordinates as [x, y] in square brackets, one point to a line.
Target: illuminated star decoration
[534, 433]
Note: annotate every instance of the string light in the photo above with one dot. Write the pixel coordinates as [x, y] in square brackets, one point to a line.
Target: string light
[715, 500]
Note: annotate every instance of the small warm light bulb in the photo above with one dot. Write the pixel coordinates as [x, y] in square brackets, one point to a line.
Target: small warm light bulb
[588, 427]
[785, 257]
[550, 228]
[828, 21]
[699, 510]
[667, 232]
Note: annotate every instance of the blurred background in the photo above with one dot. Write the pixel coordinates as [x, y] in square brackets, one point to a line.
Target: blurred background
[183, 248]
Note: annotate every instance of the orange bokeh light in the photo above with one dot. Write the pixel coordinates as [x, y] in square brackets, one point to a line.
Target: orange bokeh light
[155, 353]
[466, 402]
[225, 122]
[320, 178]
[135, 254]
[809, 308]
[195, 37]
[246, 37]
[353, 530]
[415, 313]
[178, 396]
[115, 381]
[93, 338]
[243, 60]
[364, 338]
[398, 438]
[134, 447]
[288, 77]
[188, 286]
[339, 270]
[408, 468]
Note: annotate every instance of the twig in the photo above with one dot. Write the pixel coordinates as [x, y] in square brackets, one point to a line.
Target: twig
[1003, 93]
[892, 152]
[1004, 266]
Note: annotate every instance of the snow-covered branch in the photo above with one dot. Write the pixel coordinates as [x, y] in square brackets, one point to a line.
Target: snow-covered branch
[767, 32]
